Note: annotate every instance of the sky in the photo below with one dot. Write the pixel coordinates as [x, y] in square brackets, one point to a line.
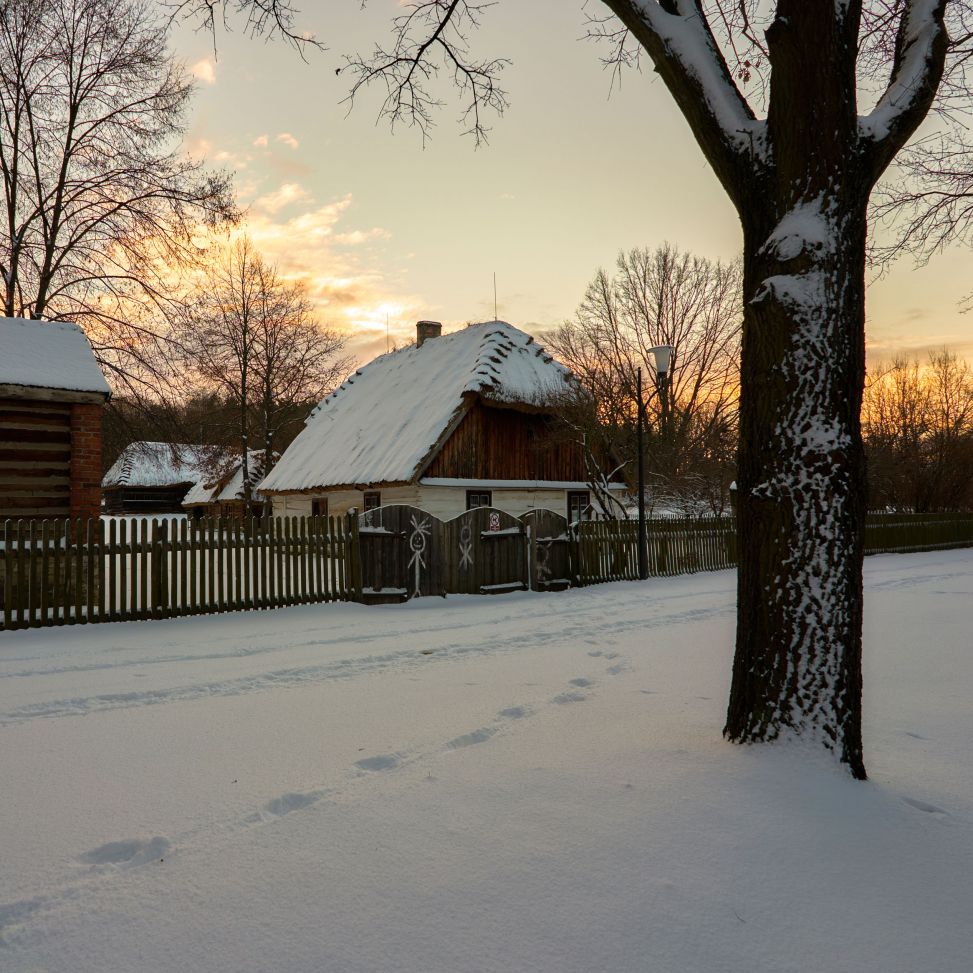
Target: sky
[386, 230]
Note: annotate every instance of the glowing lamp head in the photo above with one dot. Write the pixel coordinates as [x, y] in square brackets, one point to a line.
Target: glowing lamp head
[663, 358]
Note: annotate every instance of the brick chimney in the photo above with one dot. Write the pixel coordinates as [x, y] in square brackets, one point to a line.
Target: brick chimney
[426, 330]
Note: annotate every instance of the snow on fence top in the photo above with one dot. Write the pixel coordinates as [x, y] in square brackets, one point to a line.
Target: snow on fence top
[158, 464]
[50, 355]
[382, 424]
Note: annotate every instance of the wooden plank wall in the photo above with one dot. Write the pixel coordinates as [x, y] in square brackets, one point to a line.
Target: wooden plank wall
[507, 444]
[35, 459]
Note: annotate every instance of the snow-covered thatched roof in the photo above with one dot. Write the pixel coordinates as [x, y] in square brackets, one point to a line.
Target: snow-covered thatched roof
[48, 355]
[387, 421]
[147, 464]
[227, 483]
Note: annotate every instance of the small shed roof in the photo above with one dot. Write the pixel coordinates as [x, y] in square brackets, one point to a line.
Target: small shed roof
[383, 424]
[227, 484]
[48, 355]
[146, 464]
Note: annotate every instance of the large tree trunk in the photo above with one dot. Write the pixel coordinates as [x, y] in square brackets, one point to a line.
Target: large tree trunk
[802, 496]
[801, 477]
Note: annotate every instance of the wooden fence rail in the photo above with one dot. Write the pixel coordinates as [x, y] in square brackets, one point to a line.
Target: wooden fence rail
[67, 572]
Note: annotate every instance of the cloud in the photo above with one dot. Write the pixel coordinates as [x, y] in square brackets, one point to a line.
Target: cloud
[286, 195]
[345, 280]
[212, 155]
[357, 237]
[354, 276]
[287, 139]
[204, 71]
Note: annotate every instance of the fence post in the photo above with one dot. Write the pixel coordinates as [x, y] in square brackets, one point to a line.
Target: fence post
[159, 569]
[354, 557]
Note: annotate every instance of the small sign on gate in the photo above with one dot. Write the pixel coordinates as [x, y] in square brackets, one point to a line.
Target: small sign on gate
[494, 522]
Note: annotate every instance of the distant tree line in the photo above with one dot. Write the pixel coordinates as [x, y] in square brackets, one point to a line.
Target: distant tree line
[917, 422]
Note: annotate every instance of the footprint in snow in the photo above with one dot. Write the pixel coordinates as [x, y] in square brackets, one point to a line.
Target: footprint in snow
[385, 761]
[926, 808]
[581, 682]
[286, 803]
[127, 854]
[471, 739]
[573, 697]
[14, 913]
[617, 668]
[515, 712]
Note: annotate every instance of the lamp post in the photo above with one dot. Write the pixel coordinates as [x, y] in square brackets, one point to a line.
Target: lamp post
[663, 359]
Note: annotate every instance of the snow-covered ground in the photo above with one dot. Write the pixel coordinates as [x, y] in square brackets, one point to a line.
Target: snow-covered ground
[526, 783]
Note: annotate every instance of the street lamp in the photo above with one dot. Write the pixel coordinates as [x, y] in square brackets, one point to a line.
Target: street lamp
[663, 359]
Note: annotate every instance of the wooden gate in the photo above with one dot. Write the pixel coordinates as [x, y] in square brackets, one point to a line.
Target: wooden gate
[551, 551]
[401, 554]
[486, 553]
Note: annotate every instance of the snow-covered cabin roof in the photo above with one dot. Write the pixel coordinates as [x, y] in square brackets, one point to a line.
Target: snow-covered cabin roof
[226, 485]
[385, 422]
[48, 355]
[147, 464]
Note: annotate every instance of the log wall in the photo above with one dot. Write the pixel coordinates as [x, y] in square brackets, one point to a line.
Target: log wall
[35, 459]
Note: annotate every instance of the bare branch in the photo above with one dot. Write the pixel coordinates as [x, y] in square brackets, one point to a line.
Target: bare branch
[262, 18]
[430, 39]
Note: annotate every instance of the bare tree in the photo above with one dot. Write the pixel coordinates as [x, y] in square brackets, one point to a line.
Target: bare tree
[98, 206]
[661, 297]
[297, 360]
[250, 336]
[800, 179]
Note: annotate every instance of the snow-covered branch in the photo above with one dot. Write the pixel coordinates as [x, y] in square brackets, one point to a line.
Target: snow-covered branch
[917, 67]
[678, 38]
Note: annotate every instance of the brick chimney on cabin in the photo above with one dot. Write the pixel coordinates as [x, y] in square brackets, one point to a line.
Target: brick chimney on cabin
[426, 330]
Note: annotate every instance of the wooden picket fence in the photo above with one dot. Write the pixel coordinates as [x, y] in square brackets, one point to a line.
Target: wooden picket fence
[905, 533]
[608, 551]
[66, 572]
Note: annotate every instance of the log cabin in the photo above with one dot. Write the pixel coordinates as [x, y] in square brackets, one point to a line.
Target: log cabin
[453, 422]
[52, 395]
[154, 478]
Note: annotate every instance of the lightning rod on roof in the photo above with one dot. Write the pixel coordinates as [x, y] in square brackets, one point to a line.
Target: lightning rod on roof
[494, 295]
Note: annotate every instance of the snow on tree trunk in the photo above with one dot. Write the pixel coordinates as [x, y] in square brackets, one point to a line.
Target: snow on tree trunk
[801, 482]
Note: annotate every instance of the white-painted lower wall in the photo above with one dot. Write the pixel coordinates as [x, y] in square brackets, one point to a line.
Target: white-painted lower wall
[444, 502]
